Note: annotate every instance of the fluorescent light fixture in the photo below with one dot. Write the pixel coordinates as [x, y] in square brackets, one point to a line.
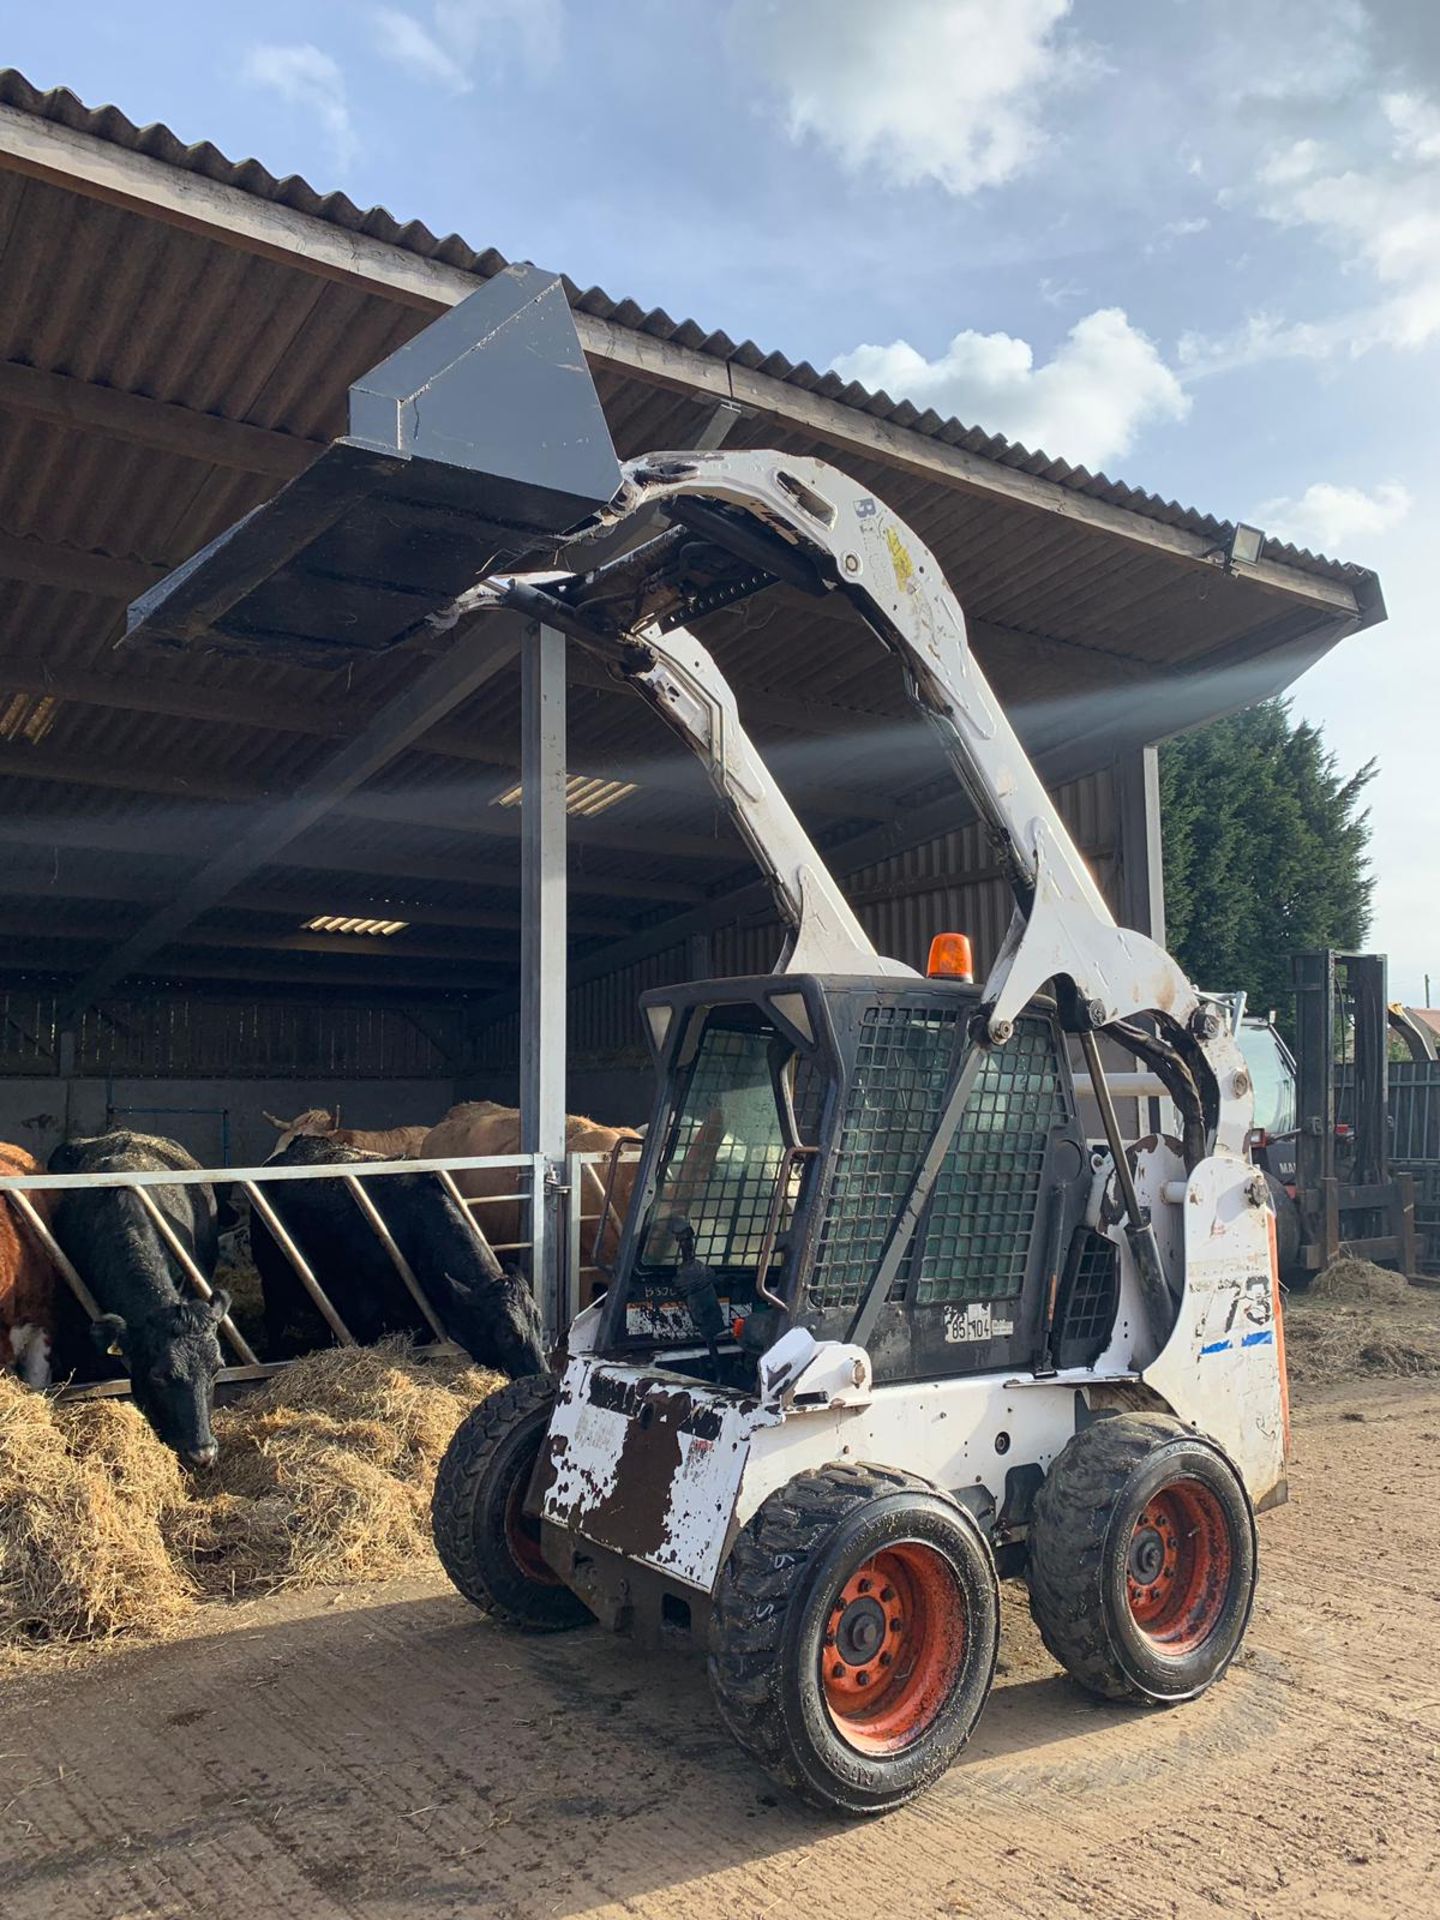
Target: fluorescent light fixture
[1246, 546]
[25, 716]
[583, 795]
[352, 923]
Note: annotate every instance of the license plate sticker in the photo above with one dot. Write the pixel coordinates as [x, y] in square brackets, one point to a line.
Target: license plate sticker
[976, 1321]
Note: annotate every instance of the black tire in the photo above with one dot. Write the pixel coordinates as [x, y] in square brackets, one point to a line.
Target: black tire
[1131, 1498]
[778, 1598]
[1287, 1235]
[485, 1543]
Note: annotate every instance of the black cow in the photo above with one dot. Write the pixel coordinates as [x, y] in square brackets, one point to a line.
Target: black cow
[167, 1337]
[493, 1319]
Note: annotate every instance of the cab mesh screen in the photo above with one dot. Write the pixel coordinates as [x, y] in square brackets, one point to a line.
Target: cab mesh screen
[983, 1208]
[987, 1197]
[720, 1173]
[902, 1067]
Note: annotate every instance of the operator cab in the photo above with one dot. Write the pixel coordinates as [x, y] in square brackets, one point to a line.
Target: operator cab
[792, 1117]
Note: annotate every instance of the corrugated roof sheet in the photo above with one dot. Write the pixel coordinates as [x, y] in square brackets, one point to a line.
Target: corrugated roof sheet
[158, 142]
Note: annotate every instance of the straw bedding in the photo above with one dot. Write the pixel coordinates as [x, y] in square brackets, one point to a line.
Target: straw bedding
[1357, 1320]
[324, 1476]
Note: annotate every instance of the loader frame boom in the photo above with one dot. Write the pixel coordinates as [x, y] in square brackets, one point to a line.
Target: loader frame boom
[800, 521]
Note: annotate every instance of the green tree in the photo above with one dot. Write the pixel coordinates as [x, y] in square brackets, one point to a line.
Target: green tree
[1265, 852]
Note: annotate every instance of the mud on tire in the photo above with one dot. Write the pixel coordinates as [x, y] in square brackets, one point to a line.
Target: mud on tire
[847, 1572]
[485, 1543]
[1142, 1559]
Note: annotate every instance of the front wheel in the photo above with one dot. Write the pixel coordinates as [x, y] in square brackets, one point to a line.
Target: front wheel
[1142, 1559]
[854, 1636]
[487, 1543]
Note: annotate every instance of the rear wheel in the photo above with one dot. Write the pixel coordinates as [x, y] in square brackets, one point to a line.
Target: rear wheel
[487, 1543]
[1142, 1559]
[854, 1636]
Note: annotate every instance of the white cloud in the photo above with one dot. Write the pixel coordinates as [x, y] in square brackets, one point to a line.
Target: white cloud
[405, 42]
[462, 35]
[305, 77]
[1416, 122]
[1380, 215]
[914, 90]
[1330, 519]
[1105, 383]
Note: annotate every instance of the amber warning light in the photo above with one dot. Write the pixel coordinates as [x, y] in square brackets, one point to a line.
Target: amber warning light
[950, 958]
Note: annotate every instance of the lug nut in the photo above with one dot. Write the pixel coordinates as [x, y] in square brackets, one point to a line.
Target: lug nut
[862, 1679]
[837, 1672]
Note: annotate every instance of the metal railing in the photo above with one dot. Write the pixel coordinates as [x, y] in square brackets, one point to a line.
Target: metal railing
[529, 1170]
[591, 1197]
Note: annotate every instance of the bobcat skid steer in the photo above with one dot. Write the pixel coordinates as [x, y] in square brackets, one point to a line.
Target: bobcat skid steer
[883, 1327]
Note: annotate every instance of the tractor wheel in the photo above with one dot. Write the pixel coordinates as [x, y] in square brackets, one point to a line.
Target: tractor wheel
[487, 1544]
[1142, 1559]
[854, 1634]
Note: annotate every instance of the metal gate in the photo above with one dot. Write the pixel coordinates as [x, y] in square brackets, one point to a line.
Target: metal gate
[529, 1172]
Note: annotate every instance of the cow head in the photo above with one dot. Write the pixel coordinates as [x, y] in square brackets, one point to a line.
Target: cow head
[498, 1323]
[173, 1356]
[315, 1123]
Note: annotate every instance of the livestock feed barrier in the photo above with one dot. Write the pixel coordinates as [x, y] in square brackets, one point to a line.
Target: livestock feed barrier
[530, 1178]
[595, 1192]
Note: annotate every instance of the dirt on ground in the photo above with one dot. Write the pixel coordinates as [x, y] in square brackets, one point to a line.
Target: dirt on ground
[385, 1752]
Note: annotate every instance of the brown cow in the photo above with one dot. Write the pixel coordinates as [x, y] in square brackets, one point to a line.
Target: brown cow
[391, 1143]
[479, 1127]
[28, 1282]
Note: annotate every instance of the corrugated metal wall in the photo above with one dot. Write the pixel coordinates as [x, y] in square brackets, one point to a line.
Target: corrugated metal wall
[949, 883]
[170, 1033]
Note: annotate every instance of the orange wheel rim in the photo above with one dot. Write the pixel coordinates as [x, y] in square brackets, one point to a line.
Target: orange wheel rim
[1177, 1568]
[893, 1647]
[522, 1536]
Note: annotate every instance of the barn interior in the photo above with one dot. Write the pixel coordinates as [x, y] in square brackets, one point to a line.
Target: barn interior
[177, 336]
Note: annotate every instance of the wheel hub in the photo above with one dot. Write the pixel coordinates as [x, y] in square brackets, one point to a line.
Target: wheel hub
[893, 1646]
[861, 1631]
[1147, 1555]
[1177, 1567]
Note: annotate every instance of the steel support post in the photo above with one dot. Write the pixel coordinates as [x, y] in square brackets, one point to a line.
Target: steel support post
[1141, 902]
[542, 951]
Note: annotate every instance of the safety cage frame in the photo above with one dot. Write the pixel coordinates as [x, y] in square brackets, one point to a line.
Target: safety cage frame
[974, 1288]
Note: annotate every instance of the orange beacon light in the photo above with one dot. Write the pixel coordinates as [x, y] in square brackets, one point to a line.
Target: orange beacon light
[950, 958]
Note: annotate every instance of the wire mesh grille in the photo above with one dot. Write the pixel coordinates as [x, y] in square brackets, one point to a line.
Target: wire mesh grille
[1089, 1295]
[720, 1174]
[987, 1196]
[903, 1065]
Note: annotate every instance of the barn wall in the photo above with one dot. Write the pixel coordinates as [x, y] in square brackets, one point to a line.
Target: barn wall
[168, 1031]
[948, 883]
[205, 1115]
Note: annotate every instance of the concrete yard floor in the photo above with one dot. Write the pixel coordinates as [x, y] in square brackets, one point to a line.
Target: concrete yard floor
[387, 1753]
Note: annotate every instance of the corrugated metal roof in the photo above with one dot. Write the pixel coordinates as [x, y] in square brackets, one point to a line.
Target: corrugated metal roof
[157, 142]
[151, 762]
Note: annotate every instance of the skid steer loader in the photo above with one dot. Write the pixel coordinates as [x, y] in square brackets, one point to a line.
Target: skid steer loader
[883, 1326]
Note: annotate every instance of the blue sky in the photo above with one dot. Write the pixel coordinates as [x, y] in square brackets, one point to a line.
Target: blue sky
[1195, 245]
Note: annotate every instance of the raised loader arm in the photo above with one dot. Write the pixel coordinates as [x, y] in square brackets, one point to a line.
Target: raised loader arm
[676, 675]
[800, 520]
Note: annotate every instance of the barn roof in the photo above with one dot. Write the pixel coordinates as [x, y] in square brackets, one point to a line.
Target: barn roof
[177, 334]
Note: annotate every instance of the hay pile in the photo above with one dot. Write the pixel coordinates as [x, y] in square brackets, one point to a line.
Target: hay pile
[324, 1476]
[1357, 1320]
[1353, 1281]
